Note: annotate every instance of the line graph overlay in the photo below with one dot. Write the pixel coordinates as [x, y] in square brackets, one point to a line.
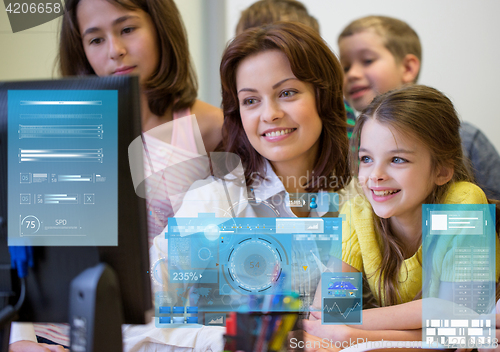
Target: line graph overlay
[342, 310]
[336, 308]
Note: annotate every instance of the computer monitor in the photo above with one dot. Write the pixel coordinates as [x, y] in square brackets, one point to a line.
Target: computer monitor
[66, 188]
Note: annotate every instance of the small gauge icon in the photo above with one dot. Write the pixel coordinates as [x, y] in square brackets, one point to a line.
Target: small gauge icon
[254, 265]
[158, 270]
[30, 225]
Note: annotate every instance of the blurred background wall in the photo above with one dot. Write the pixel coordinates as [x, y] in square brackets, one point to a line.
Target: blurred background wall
[459, 39]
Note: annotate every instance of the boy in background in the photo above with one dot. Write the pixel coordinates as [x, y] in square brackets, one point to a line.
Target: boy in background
[265, 12]
[381, 53]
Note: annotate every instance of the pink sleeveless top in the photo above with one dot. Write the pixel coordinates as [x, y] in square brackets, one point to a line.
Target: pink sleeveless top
[164, 190]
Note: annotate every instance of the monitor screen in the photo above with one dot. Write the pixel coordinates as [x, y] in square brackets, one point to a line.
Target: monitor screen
[66, 188]
[62, 167]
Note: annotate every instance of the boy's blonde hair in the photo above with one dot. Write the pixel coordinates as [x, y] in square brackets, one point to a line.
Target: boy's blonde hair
[398, 37]
[265, 12]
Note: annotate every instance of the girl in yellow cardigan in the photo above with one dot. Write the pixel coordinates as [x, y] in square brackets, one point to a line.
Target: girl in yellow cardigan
[406, 152]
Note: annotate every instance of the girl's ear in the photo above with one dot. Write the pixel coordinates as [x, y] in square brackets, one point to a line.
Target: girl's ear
[444, 174]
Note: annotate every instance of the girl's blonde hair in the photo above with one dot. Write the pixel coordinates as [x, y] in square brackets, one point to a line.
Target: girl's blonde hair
[428, 115]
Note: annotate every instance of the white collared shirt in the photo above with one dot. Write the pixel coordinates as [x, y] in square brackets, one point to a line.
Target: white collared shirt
[227, 197]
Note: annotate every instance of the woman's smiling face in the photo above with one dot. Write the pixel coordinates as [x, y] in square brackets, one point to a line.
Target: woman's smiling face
[278, 111]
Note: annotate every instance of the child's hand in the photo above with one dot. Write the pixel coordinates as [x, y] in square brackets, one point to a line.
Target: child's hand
[314, 315]
[30, 346]
[334, 332]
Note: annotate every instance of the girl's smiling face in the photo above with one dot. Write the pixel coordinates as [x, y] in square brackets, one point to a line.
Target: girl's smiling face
[277, 110]
[118, 41]
[395, 171]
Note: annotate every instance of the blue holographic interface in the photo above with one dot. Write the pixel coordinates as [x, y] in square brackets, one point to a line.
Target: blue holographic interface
[62, 167]
[341, 298]
[220, 265]
[459, 275]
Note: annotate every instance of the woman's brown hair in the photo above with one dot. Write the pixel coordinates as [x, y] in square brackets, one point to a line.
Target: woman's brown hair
[174, 82]
[428, 115]
[311, 61]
